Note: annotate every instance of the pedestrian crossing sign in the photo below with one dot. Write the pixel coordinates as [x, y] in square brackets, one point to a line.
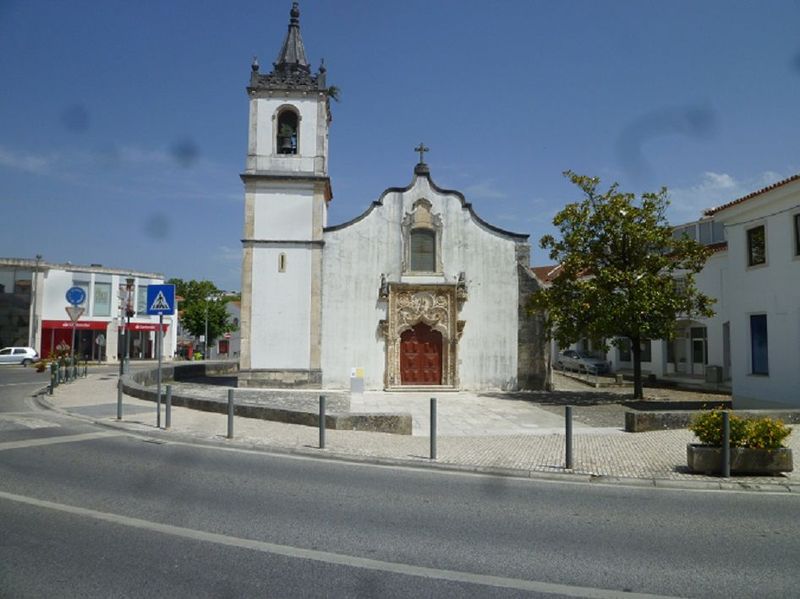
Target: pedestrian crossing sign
[161, 299]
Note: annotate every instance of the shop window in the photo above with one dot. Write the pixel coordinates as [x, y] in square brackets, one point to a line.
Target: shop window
[756, 246]
[759, 354]
[797, 234]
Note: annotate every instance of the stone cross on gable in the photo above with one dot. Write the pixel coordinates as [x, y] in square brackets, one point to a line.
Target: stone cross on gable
[421, 148]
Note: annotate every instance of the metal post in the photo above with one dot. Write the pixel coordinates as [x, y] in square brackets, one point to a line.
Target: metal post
[168, 414]
[322, 421]
[159, 341]
[85, 370]
[726, 444]
[433, 428]
[53, 382]
[74, 368]
[119, 399]
[72, 349]
[568, 422]
[230, 413]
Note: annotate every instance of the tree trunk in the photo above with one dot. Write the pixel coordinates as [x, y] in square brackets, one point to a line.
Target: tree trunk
[636, 348]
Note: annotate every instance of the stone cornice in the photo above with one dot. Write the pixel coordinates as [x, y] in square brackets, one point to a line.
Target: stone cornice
[282, 243]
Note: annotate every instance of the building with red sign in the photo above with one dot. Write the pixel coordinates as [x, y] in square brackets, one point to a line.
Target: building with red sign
[33, 311]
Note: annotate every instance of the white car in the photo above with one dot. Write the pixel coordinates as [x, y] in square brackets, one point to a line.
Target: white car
[581, 362]
[18, 355]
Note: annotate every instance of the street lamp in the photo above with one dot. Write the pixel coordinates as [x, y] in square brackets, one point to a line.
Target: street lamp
[128, 313]
[33, 328]
[205, 348]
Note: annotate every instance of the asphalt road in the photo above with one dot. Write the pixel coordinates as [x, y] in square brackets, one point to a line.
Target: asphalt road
[88, 512]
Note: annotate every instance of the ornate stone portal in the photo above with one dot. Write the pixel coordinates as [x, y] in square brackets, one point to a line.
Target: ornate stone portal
[434, 305]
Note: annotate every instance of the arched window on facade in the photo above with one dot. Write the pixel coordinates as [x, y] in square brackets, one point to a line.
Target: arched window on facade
[287, 131]
[422, 239]
[423, 250]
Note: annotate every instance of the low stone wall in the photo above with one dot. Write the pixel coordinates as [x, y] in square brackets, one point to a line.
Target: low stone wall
[266, 404]
[640, 421]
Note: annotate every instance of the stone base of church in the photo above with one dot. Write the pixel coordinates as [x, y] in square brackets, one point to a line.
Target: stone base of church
[281, 378]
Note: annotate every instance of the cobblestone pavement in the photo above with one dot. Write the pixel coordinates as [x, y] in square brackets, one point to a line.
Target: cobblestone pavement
[656, 458]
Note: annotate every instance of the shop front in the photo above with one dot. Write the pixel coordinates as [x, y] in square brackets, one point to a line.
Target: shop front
[90, 338]
[142, 340]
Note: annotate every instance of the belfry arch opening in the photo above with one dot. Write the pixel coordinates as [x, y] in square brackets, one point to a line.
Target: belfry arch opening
[287, 131]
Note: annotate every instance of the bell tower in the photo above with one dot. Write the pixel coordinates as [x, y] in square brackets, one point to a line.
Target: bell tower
[287, 190]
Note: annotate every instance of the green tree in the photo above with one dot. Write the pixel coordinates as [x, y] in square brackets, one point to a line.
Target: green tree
[201, 300]
[619, 260]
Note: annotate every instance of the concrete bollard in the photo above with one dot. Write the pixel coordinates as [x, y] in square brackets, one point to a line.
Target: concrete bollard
[433, 428]
[230, 413]
[726, 444]
[168, 408]
[322, 411]
[568, 435]
[119, 398]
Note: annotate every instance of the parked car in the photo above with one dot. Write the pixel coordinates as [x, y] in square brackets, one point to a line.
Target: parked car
[18, 355]
[581, 362]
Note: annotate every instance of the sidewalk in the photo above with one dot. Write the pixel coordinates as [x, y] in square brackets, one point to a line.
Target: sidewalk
[502, 434]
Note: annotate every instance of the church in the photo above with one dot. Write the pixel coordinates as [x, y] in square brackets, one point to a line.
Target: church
[417, 293]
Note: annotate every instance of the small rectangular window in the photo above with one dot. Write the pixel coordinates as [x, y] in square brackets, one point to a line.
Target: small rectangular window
[718, 232]
[759, 355]
[423, 250]
[647, 355]
[706, 233]
[687, 231]
[624, 350]
[756, 246]
[281, 262]
[141, 300]
[797, 234]
[679, 284]
[83, 285]
[102, 299]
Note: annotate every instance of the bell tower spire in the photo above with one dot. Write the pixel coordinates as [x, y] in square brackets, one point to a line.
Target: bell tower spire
[292, 57]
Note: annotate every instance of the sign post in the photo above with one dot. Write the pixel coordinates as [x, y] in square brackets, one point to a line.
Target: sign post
[75, 296]
[160, 300]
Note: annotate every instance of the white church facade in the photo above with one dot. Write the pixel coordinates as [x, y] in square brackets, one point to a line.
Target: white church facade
[416, 293]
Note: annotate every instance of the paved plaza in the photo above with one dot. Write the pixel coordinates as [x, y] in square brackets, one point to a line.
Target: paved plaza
[517, 434]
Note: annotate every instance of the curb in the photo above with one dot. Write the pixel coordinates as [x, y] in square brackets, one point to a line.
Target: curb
[145, 432]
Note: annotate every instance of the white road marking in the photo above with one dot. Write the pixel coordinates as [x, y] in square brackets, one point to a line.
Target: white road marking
[333, 558]
[56, 440]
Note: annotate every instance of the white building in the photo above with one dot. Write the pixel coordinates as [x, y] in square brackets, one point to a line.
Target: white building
[752, 343]
[417, 292]
[35, 291]
[757, 329]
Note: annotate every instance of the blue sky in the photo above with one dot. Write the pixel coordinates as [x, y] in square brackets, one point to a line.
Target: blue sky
[123, 124]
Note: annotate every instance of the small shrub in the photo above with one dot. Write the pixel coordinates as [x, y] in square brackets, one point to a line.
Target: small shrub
[757, 433]
[766, 433]
[708, 428]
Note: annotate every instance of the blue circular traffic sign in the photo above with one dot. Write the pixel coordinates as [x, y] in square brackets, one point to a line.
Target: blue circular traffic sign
[76, 295]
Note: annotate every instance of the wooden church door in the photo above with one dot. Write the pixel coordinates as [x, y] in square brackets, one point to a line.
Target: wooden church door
[421, 356]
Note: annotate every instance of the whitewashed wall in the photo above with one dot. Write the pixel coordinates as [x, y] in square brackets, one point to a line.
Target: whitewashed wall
[356, 255]
[261, 155]
[772, 289]
[280, 321]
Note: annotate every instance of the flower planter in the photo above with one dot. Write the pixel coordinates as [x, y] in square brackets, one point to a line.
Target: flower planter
[707, 459]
